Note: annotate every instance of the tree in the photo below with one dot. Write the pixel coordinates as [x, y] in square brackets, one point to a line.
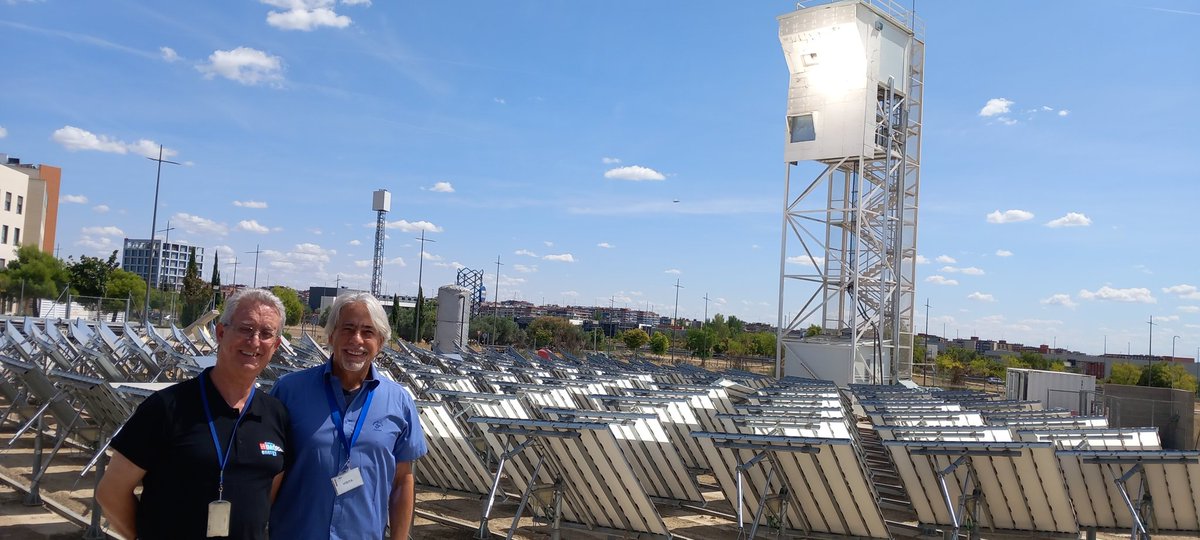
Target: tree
[127, 285]
[557, 332]
[1125, 373]
[89, 276]
[35, 274]
[659, 343]
[407, 317]
[700, 341]
[813, 330]
[1168, 375]
[195, 292]
[418, 316]
[487, 329]
[634, 338]
[291, 303]
[218, 299]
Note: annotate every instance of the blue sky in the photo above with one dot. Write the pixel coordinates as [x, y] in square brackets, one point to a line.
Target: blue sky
[1058, 191]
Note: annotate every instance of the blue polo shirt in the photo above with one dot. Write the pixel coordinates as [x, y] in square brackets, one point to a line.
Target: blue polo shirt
[307, 506]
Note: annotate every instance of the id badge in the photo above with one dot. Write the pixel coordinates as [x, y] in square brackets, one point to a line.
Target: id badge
[218, 518]
[347, 481]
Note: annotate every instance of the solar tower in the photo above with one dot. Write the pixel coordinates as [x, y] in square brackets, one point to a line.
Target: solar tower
[853, 153]
[381, 203]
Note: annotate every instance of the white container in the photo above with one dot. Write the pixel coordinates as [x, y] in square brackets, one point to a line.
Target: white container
[1055, 389]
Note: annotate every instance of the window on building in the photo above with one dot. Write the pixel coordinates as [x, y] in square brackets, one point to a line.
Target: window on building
[4, 235]
[16, 236]
[7, 201]
[20, 203]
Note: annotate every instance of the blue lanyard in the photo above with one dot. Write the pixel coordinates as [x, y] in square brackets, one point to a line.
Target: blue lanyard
[222, 458]
[336, 412]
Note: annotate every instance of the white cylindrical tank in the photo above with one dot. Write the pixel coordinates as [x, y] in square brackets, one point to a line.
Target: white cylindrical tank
[452, 323]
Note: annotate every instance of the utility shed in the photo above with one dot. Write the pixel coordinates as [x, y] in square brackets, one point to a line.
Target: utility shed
[1055, 389]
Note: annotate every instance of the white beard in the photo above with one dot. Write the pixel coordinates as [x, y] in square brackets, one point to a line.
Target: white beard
[351, 366]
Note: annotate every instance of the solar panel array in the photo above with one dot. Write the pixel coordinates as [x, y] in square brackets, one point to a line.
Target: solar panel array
[602, 444]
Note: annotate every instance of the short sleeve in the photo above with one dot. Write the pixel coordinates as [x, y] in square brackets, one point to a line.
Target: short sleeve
[141, 437]
[410, 445]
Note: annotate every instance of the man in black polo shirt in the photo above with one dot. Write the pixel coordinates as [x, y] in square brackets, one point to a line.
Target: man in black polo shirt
[208, 452]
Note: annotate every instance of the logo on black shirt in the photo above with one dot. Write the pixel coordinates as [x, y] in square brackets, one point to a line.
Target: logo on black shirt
[270, 449]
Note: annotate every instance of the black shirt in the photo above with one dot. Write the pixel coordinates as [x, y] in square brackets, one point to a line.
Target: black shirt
[168, 436]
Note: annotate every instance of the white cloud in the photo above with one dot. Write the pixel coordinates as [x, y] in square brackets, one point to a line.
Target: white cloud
[1064, 112]
[244, 65]
[168, 54]
[548, 243]
[604, 245]
[305, 15]
[995, 106]
[940, 280]
[945, 259]
[1009, 216]
[609, 160]
[1189, 292]
[1189, 309]
[571, 294]
[77, 199]
[442, 187]
[430, 257]
[970, 270]
[3, 132]
[1167, 318]
[101, 209]
[1138, 295]
[981, 297]
[525, 252]
[102, 231]
[364, 263]
[1072, 219]
[921, 259]
[355, 242]
[1003, 253]
[525, 268]
[250, 204]
[500, 100]
[565, 257]
[73, 139]
[199, 225]
[253, 226]
[675, 271]
[635, 173]
[356, 2]
[1060, 300]
[103, 243]
[415, 226]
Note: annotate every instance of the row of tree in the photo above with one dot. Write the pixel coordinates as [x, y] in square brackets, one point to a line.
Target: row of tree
[957, 364]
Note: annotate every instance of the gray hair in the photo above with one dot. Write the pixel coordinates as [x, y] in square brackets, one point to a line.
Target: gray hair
[261, 296]
[375, 309]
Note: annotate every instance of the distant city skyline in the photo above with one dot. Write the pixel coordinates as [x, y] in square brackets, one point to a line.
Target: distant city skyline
[617, 148]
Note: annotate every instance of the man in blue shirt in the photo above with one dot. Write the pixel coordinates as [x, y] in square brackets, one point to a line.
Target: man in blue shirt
[355, 436]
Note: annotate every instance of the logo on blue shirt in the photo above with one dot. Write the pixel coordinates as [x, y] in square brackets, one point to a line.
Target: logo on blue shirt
[270, 449]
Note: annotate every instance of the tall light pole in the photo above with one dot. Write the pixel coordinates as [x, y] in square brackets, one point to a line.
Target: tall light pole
[496, 303]
[420, 271]
[675, 320]
[154, 225]
[257, 250]
[704, 327]
[1150, 347]
[925, 361]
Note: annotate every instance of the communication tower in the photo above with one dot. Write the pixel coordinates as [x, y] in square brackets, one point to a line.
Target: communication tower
[472, 280]
[849, 231]
[381, 203]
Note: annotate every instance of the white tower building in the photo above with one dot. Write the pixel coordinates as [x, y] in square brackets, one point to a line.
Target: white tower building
[848, 253]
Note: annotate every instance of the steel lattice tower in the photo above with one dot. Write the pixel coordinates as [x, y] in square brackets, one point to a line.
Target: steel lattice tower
[855, 102]
[381, 202]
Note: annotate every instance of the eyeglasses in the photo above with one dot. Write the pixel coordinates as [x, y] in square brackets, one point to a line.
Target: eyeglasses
[249, 332]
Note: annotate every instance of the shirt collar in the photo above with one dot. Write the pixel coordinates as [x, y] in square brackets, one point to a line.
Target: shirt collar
[369, 383]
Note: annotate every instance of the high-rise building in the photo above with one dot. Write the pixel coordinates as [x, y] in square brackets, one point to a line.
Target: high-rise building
[161, 264]
[28, 206]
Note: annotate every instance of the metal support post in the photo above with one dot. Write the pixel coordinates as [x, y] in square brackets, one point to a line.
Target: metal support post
[525, 498]
[739, 470]
[34, 498]
[761, 504]
[1144, 503]
[94, 531]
